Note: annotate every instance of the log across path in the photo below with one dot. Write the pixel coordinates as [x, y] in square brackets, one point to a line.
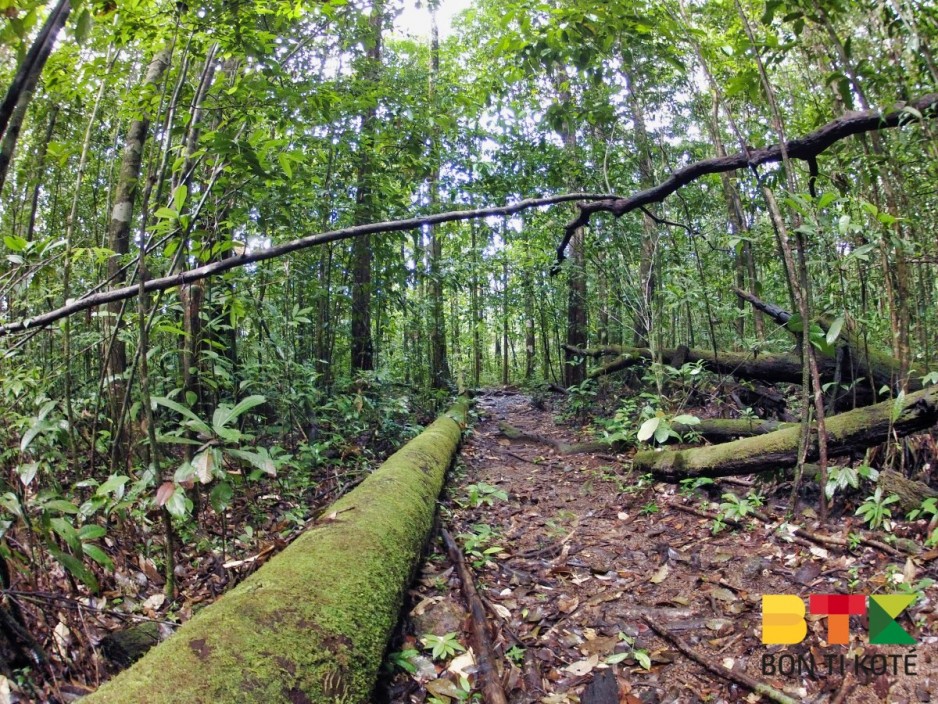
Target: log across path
[312, 624]
[590, 554]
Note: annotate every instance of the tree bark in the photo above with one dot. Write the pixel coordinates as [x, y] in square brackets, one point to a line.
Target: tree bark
[362, 345]
[20, 93]
[312, 624]
[124, 195]
[847, 433]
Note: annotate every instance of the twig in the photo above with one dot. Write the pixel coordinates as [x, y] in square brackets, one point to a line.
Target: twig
[737, 677]
[492, 691]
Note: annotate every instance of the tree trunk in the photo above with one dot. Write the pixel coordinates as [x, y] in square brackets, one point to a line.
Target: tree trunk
[847, 433]
[642, 321]
[439, 367]
[365, 211]
[312, 624]
[27, 75]
[122, 212]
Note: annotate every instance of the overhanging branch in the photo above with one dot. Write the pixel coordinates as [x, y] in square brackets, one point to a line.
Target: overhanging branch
[203, 272]
[805, 148]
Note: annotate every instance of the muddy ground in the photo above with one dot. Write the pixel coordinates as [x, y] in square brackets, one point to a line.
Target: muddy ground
[582, 556]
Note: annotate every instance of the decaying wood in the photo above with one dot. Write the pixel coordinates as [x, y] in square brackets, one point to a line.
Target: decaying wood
[604, 689]
[850, 432]
[910, 492]
[490, 684]
[731, 675]
[775, 368]
[870, 367]
[805, 148]
[563, 448]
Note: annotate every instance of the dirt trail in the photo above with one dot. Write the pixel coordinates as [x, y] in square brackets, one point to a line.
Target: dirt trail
[590, 553]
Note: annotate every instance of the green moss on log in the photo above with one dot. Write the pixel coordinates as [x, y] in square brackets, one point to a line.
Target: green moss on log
[312, 624]
[848, 432]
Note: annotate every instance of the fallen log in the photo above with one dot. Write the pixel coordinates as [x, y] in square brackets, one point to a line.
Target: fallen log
[715, 430]
[910, 492]
[849, 432]
[312, 624]
[877, 366]
[775, 368]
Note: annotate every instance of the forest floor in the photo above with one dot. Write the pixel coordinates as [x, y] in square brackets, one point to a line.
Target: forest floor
[586, 556]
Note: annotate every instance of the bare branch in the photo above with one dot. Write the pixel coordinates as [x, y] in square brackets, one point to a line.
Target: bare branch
[203, 272]
[804, 148]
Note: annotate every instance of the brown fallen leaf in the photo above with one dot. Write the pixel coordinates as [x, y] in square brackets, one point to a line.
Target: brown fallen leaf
[661, 575]
[582, 667]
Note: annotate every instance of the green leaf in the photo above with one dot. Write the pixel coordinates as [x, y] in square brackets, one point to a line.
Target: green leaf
[177, 504]
[826, 199]
[643, 659]
[82, 27]
[194, 421]
[67, 532]
[662, 433]
[91, 531]
[60, 505]
[833, 332]
[648, 429]
[686, 419]
[98, 555]
[166, 214]
[221, 496]
[15, 243]
[260, 459]
[114, 485]
[75, 567]
[179, 197]
[795, 324]
[284, 160]
[229, 414]
[27, 472]
[11, 504]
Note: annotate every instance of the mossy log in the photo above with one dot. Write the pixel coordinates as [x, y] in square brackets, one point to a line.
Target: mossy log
[312, 624]
[848, 432]
[715, 430]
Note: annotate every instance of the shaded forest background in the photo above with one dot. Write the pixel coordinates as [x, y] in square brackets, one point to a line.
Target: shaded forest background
[142, 139]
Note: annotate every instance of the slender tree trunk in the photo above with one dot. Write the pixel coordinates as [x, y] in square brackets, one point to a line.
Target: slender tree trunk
[439, 367]
[574, 371]
[24, 82]
[365, 211]
[122, 213]
[646, 269]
